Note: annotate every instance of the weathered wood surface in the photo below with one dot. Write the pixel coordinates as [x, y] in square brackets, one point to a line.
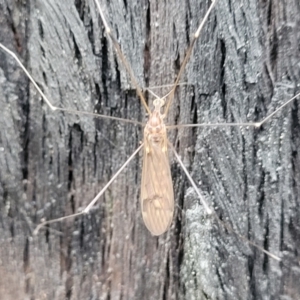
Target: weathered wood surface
[246, 63]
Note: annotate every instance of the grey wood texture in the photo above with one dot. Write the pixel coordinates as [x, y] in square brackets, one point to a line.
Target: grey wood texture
[245, 64]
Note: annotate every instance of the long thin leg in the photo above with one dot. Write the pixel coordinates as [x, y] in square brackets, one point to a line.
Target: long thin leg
[212, 212]
[164, 86]
[187, 56]
[87, 209]
[123, 58]
[252, 124]
[56, 108]
[157, 97]
[201, 197]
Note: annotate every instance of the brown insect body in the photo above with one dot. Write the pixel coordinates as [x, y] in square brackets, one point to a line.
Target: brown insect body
[157, 196]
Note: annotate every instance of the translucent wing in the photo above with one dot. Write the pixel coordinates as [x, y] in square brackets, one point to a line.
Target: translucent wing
[157, 197]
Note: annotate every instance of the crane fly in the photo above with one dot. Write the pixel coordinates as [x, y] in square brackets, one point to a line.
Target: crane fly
[157, 196]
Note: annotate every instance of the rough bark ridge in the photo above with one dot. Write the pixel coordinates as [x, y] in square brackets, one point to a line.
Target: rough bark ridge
[245, 64]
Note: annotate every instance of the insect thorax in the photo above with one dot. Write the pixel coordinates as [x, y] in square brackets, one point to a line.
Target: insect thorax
[155, 132]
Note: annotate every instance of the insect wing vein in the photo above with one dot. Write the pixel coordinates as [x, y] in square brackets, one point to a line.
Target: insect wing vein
[157, 197]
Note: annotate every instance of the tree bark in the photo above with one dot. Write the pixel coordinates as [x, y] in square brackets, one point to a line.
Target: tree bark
[245, 64]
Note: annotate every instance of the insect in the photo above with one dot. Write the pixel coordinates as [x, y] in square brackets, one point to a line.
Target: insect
[76, 134]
